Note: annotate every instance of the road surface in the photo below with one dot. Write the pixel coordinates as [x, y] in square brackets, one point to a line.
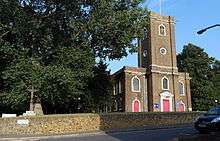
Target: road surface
[184, 133]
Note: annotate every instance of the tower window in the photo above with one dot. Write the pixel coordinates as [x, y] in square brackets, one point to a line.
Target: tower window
[165, 83]
[135, 84]
[181, 88]
[163, 51]
[162, 30]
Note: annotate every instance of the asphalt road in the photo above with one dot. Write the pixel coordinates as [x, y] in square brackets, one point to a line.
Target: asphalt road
[185, 133]
[172, 134]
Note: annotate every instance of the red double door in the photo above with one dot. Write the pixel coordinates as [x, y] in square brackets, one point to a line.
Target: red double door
[181, 107]
[136, 106]
[166, 105]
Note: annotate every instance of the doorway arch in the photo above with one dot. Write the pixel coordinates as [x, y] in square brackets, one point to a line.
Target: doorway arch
[136, 106]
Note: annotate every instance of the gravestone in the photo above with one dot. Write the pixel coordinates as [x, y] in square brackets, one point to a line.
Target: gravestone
[37, 106]
[38, 109]
[8, 115]
[35, 103]
[29, 113]
[23, 122]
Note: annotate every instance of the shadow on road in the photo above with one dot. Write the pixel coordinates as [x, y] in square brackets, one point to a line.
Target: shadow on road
[200, 137]
[169, 134]
[169, 137]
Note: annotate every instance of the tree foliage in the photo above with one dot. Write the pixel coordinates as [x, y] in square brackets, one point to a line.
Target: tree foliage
[194, 60]
[101, 88]
[106, 26]
[52, 45]
[216, 78]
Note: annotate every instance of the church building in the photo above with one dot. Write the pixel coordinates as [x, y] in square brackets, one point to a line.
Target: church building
[155, 85]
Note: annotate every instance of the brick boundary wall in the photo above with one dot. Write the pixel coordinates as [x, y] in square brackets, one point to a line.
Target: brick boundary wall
[78, 123]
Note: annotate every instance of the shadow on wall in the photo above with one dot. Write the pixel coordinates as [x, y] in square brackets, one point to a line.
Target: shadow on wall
[117, 121]
[133, 126]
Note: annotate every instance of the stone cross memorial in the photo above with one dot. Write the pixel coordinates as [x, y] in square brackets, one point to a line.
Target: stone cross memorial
[35, 103]
[32, 90]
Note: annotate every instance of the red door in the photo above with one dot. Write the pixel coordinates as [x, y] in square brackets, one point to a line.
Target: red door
[166, 105]
[136, 106]
[181, 107]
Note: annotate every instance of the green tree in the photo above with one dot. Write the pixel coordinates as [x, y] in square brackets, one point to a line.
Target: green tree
[59, 85]
[52, 45]
[216, 78]
[106, 26]
[194, 60]
[101, 88]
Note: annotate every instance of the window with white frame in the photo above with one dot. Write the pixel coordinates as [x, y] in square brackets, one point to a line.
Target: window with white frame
[165, 83]
[119, 87]
[115, 105]
[114, 90]
[181, 88]
[135, 84]
[162, 30]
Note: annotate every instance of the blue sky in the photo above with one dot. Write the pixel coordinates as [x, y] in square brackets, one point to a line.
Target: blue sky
[190, 16]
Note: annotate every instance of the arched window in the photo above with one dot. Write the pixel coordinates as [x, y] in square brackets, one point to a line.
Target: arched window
[135, 84]
[162, 30]
[181, 88]
[165, 83]
[116, 89]
[119, 87]
[115, 105]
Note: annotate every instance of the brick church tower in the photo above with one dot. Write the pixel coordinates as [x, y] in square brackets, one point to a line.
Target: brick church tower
[156, 84]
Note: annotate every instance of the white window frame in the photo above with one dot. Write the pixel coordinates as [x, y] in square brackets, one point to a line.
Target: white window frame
[115, 105]
[164, 30]
[164, 53]
[132, 86]
[114, 90]
[167, 83]
[119, 87]
[183, 94]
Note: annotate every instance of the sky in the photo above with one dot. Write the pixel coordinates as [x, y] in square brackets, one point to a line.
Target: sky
[190, 16]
